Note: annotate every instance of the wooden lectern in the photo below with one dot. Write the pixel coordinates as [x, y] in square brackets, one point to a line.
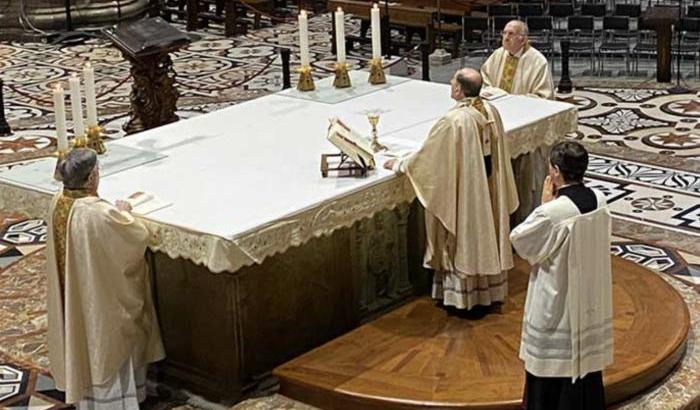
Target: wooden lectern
[147, 45]
[662, 18]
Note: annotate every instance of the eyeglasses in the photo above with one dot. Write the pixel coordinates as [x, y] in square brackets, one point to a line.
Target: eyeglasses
[510, 34]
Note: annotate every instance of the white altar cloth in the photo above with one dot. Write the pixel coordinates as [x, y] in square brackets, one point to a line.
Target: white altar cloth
[245, 181]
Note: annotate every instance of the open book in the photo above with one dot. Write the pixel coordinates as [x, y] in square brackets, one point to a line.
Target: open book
[143, 203]
[492, 93]
[351, 143]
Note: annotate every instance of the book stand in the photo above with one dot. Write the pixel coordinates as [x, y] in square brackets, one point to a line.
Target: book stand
[346, 167]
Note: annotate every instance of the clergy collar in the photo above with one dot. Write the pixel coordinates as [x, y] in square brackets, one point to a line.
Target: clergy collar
[466, 101]
[77, 193]
[569, 186]
[522, 50]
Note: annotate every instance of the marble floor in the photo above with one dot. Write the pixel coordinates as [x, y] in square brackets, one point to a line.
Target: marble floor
[645, 145]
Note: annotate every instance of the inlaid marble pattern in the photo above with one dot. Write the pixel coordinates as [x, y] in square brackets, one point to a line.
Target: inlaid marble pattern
[643, 119]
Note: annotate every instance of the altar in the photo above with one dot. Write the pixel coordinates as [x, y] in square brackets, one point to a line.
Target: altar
[259, 258]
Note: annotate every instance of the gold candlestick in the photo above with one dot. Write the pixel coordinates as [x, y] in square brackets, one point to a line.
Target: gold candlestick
[373, 118]
[94, 139]
[80, 141]
[376, 72]
[342, 78]
[306, 80]
[60, 156]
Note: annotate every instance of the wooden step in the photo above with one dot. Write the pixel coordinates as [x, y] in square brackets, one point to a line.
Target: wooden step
[419, 357]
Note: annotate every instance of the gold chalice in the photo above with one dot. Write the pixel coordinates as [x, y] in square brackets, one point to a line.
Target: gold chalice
[373, 118]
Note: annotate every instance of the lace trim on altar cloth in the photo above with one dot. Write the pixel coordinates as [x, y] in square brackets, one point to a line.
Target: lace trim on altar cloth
[222, 255]
[545, 132]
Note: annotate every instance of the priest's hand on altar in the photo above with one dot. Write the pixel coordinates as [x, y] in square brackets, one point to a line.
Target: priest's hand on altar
[389, 164]
[123, 205]
[548, 190]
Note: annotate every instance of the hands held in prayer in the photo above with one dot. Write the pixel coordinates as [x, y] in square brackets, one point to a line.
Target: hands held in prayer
[548, 190]
[123, 205]
[389, 164]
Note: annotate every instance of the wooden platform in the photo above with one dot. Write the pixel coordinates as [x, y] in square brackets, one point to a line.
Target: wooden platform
[418, 357]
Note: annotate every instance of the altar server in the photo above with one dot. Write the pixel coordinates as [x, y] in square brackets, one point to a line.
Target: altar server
[567, 334]
[517, 67]
[467, 212]
[103, 330]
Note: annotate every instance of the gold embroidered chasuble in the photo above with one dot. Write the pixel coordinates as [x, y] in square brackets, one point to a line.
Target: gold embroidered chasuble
[528, 74]
[466, 212]
[64, 204]
[100, 309]
[478, 105]
[509, 68]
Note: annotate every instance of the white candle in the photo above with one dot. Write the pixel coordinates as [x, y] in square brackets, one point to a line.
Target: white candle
[76, 106]
[59, 110]
[304, 38]
[340, 35]
[376, 33]
[90, 100]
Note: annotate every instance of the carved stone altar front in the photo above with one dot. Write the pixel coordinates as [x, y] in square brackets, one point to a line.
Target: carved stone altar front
[224, 333]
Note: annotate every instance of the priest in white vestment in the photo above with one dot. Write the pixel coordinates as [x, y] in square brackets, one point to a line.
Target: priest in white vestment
[463, 178]
[517, 67]
[103, 330]
[567, 333]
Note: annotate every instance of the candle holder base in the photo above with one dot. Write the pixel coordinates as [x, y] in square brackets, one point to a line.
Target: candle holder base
[60, 156]
[306, 80]
[342, 78]
[80, 142]
[376, 72]
[377, 147]
[94, 139]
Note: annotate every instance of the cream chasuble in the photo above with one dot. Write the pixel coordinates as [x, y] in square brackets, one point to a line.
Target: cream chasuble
[528, 74]
[100, 312]
[467, 214]
[567, 324]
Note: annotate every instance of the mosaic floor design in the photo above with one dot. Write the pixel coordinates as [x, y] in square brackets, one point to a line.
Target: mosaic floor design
[642, 119]
[27, 389]
[645, 120]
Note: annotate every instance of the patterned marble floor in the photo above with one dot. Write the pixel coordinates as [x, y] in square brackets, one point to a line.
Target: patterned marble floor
[645, 144]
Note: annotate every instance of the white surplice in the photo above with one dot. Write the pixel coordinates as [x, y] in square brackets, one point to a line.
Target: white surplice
[567, 324]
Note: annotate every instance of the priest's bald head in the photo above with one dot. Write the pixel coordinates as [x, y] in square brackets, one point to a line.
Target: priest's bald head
[514, 36]
[79, 170]
[466, 83]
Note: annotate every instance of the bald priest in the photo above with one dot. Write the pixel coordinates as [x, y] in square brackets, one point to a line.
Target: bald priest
[517, 67]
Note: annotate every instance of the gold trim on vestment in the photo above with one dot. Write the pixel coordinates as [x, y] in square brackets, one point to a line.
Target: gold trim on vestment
[64, 204]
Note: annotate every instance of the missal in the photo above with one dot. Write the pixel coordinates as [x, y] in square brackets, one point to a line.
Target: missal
[143, 203]
[350, 143]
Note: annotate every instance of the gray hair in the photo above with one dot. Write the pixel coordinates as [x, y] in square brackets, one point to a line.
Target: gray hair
[77, 166]
[524, 30]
